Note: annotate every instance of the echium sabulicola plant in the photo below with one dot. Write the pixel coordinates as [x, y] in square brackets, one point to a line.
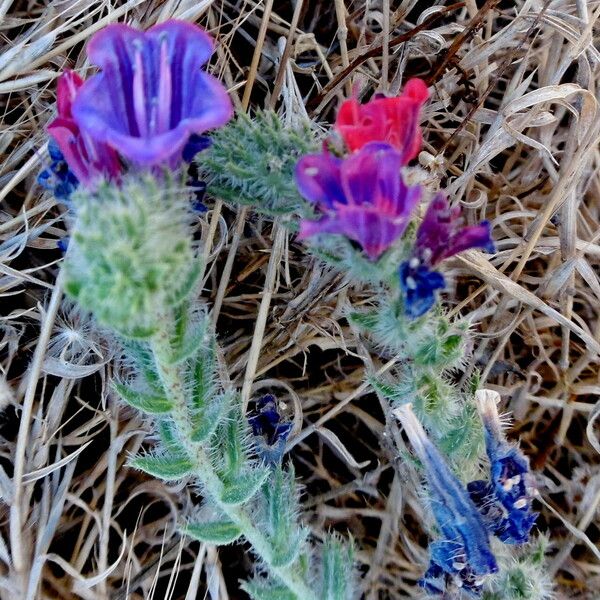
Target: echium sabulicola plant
[119, 158]
[361, 214]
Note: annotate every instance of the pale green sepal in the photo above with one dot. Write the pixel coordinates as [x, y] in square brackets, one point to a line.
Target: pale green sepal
[167, 467]
[188, 285]
[148, 403]
[214, 532]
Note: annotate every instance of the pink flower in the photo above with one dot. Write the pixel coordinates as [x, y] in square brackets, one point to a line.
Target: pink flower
[391, 120]
[89, 160]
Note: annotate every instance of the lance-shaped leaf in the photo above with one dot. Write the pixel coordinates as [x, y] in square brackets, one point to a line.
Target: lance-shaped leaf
[337, 569]
[168, 467]
[279, 512]
[206, 421]
[149, 403]
[214, 532]
[242, 488]
[264, 589]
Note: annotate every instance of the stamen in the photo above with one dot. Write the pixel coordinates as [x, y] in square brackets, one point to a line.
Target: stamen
[139, 96]
[521, 503]
[165, 88]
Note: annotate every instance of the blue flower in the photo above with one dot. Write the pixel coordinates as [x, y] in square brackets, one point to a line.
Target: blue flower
[270, 431]
[57, 178]
[505, 502]
[419, 284]
[462, 555]
[439, 236]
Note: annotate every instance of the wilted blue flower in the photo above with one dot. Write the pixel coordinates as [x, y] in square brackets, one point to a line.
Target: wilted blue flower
[505, 502]
[462, 556]
[439, 236]
[57, 178]
[151, 94]
[362, 196]
[270, 431]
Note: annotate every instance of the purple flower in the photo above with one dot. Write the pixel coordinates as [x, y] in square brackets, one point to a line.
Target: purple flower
[270, 430]
[505, 502]
[362, 196]
[462, 555]
[151, 95]
[439, 236]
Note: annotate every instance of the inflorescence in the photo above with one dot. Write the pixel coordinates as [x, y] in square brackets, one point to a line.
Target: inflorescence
[130, 134]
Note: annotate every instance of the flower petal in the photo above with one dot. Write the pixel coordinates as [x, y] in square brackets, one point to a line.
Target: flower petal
[391, 120]
[318, 179]
[440, 235]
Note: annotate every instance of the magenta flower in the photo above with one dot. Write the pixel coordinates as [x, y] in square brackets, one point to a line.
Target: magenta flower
[439, 236]
[362, 196]
[88, 159]
[151, 95]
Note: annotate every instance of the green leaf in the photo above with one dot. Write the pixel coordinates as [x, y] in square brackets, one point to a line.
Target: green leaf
[167, 467]
[284, 556]
[264, 590]
[367, 320]
[166, 431]
[214, 532]
[242, 488]
[204, 378]
[148, 403]
[337, 569]
[205, 422]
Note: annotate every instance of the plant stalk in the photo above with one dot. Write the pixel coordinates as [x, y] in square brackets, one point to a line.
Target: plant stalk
[171, 377]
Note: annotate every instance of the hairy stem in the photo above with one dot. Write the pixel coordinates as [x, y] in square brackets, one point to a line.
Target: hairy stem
[172, 379]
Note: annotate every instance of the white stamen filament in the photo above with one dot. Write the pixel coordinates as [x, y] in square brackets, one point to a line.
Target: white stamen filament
[165, 91]
[139, 99]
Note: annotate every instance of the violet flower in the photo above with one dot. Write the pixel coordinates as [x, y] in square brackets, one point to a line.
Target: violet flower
[505, 502]
[439, 236]
[88, 159]
[151, 95]
[462, 556]
[362, 196]
[270, 430]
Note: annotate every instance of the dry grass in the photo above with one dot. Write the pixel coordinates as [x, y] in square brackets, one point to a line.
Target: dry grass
[512, 131]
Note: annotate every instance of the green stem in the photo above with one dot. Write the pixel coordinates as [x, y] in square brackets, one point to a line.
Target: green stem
[171, 376]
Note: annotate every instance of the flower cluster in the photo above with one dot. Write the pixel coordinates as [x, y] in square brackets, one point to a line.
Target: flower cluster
[363, 195]
[462, 556]
[505, 501]
[439, 236]
[147, 107]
